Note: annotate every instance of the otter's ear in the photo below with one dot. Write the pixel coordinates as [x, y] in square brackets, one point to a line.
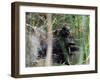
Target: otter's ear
[56, 32]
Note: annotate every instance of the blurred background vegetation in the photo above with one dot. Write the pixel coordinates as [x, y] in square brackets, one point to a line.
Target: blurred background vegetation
[79, 28]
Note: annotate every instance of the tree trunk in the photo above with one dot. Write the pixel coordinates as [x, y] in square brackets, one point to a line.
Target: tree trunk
[49, 41]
